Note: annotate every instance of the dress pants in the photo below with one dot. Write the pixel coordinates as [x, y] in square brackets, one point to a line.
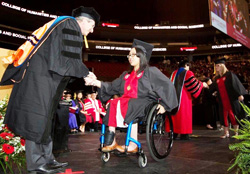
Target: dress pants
[38, 155]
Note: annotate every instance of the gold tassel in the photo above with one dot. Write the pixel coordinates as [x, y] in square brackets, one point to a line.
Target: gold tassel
[74, 96]
[214, 69]
[86, 42]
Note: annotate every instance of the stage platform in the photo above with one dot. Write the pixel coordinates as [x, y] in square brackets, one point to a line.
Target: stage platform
[204, 153]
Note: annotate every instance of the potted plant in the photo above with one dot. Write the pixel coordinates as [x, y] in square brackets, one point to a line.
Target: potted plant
[12, 149]
[242, 148]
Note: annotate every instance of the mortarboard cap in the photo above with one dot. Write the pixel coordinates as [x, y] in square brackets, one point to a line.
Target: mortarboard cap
[92, 92]
[220, 61]
[88, 12]
[146, 47]
[67, 92]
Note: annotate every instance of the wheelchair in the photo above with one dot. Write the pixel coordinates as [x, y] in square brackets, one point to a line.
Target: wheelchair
[159, 141]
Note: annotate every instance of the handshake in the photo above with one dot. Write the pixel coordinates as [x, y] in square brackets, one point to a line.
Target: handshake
[207, 83]
[91, 80]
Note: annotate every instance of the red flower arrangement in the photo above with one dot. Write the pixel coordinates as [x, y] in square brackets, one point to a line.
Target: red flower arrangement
[12, 150]
[8, 149]
[6, 135]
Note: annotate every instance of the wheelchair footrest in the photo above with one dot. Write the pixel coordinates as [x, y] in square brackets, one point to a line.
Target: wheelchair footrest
[120, 154]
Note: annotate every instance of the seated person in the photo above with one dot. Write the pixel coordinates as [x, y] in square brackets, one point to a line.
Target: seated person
[135, 88]
[61, 128]
[112, 98]
[72, 117]
[81, 114]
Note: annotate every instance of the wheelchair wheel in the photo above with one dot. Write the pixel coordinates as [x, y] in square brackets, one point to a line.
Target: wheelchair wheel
[105, 156]
[158, 140]
[142, 160]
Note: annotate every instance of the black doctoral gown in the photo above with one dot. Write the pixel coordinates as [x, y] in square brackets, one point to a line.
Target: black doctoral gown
[34, 99]
[234, 89]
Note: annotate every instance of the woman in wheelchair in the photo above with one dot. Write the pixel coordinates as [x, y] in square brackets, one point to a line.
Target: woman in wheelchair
[135, 87]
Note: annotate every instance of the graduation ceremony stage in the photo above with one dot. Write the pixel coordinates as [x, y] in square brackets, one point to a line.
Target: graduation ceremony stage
[205, 153]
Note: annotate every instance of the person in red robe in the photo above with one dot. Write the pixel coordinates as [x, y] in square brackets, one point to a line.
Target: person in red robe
[186, 86]
[230, 94]
[95, 109]
[138, 88]
[108, 102]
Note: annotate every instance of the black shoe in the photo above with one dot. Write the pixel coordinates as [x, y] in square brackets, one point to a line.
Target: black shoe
[185, 137]
[55, 164]
[175, 136]
[91, 130]
[58, 151]
[45, 169]
[67, 150]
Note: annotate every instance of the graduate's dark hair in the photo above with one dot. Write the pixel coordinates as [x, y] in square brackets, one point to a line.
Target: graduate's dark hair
[76, 94]
[183, 63]
[143, 60]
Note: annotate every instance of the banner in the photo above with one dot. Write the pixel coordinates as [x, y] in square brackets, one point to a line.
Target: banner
[4, 90]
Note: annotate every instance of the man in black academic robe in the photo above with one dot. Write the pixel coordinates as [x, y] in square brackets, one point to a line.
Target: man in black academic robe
[40, 81]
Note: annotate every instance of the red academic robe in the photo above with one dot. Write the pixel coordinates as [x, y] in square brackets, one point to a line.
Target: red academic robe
[88, 117]
[92, 106]
[186, 86]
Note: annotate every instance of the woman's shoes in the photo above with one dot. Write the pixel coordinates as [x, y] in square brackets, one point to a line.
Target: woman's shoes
[184, 137]
[209, 127]
[73, 131]
[122, 149]
[224, 136]
[109, 148]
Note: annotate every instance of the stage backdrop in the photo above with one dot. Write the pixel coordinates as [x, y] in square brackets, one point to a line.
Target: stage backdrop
[4, 90]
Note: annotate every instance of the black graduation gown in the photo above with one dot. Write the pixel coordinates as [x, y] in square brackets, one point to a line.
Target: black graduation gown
[34, 100]
[234, 89]
[152, 85]
[81, 118]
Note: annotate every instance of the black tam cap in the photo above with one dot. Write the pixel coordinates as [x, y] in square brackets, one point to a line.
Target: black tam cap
[183, 63]
[220, 61]
[88, 12]
[93, 92]
[146, 47]
[67, 92]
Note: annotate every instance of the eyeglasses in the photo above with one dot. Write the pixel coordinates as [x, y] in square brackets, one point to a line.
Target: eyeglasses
[132, 55]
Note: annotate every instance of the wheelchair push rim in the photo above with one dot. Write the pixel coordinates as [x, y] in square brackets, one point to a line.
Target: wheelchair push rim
[158, 140]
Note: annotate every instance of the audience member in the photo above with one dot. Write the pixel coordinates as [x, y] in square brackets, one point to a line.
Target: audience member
[94, 107]
[80, 113]
[61, 128]
[72, 110]
[112, 98]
